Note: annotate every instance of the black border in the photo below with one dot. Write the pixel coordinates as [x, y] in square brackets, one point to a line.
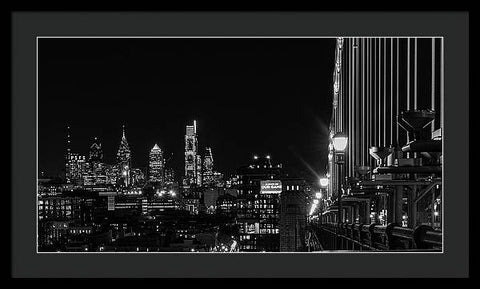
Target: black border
[452, 25]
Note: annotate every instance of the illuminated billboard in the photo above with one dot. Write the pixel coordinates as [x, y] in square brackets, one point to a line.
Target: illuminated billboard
[270, 187]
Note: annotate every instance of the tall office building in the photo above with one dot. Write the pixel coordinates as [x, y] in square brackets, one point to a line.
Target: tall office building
[95, 170]
[198, 171]
[191, 148]
[208, 167]
[75, 168]
[156, 165]
[96, 152]
[124, 159]
[74, 164]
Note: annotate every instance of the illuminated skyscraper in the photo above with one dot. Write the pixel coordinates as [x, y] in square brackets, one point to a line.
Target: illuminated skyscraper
[123, 159]
[198, 170]
[96, 152]
[156, 165]
[74, 164]
[191, 148]
[208, 167]
[95, 170]
[75, 168]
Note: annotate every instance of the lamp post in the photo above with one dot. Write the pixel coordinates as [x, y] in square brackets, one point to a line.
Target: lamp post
[323, 188]
[340, 141]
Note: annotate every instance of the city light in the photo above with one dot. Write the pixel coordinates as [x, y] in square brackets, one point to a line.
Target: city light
[340, 142]
[312, 209]
[324, 182]
[318, 195]
[315, 201]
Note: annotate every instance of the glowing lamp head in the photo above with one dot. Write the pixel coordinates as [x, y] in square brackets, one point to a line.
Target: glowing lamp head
[324, 182]
[318, 195]
[255, 157]
[315, 201]
[340, 141]
[268, 157]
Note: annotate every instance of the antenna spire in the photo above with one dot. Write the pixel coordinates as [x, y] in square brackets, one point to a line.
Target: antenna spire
[68, 139]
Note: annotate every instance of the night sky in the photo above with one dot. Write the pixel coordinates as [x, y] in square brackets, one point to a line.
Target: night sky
[249, 97]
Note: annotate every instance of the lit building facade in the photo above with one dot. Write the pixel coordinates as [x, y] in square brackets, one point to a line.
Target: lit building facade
[169, 176]
[124, 160]
[226, 205]
[191, 156]
[208, 167]
[75, 168]
[96, 152]
[156, 165]
[258, 209]
[96, 171]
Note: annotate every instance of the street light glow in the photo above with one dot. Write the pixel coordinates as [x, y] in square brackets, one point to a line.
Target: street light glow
[318, 195]
[323, 182]
[340, 142]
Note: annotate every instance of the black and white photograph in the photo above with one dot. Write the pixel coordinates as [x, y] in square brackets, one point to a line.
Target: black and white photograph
[225, 144]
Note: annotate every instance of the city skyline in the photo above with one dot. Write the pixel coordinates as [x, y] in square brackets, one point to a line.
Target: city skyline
[284, 178]
[71, 64]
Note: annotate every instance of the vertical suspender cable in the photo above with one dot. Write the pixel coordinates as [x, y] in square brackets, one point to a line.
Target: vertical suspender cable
[391, 91]
[374, 93]
[408, 83]
[342, 83]
[379, 95]
[415, 78]
[384, 92]
[350, 106]
[408, 75]
[415, 84]
[350, 103]
[358, 135]
[442, 88]
[370, 98]
[358, 140]
[433, 81]
[398, 99]
[362, 149]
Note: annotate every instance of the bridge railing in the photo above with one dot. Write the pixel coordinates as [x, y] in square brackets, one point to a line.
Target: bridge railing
[375, 237]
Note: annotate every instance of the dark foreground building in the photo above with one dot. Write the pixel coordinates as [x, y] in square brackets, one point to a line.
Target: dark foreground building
[293, 215]
[265, 223]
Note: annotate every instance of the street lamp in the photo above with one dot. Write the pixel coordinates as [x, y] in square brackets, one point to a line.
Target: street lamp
[324, 182]
[340, 141]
